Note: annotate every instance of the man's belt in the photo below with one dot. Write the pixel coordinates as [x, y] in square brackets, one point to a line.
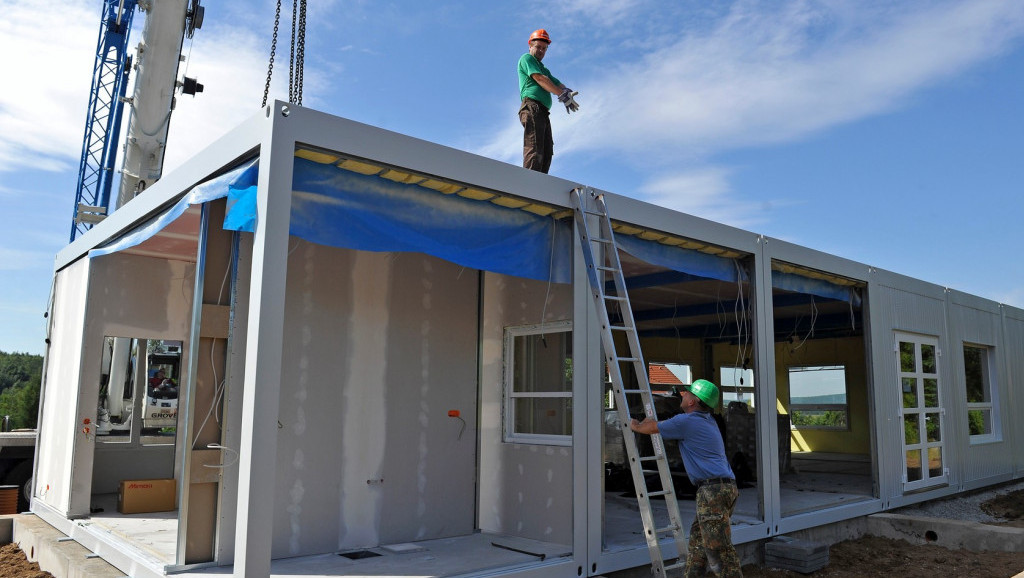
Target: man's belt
[710, 481]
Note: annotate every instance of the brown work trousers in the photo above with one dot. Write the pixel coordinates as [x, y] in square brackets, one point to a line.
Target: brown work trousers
[537, 144]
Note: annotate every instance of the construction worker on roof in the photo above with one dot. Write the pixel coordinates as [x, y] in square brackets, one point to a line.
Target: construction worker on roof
[703, 451]
[536, 85]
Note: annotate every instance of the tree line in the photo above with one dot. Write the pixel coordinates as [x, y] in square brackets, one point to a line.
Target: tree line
[20, 378]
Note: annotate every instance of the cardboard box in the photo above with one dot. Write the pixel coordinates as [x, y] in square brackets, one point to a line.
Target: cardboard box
[142, 496]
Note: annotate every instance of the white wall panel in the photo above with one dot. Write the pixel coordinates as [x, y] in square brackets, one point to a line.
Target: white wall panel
[58, 424]
[525, 490]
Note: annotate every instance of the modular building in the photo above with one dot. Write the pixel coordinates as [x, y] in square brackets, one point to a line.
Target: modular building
[380, 357]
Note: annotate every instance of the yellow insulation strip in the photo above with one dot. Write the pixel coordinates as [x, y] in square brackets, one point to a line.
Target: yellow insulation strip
[813, 274]
[400, 177]
[544, 211]
[652, 236]
[476, 194]
[624, 229]
[441, 186]
[316, 157]
[509, 202]
[358, 167]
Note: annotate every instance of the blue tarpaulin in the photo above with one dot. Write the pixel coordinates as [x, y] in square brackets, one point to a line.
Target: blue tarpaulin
[340, 208]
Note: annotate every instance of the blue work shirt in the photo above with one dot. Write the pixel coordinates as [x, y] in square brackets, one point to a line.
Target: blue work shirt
[700, 443]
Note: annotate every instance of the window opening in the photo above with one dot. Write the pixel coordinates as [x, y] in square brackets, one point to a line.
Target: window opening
[138, 396]
[668, 377]
[538, 384]
[818, 397]
[737, 384]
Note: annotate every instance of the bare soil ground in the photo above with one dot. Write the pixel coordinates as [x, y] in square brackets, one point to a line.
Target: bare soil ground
[873, 556]
[14, 564]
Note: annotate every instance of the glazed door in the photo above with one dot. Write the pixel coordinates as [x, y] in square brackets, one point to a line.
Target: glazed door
[922, 410]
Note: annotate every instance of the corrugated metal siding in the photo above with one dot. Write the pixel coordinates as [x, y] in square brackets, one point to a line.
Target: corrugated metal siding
[895, 309]
[1013, 365]
[976, 322]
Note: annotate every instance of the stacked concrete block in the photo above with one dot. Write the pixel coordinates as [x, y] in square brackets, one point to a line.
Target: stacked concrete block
[801, 556]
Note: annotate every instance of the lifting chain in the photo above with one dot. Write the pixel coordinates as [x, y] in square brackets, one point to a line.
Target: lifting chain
[300, 65]
[297, 54]
[273, 50]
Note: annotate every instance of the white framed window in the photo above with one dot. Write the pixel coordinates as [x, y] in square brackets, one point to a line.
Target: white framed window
[982, 420]
[538, 384]
[736, 384]
[817, 397]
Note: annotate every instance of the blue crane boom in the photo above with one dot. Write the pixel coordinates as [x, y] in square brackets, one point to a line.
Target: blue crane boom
[103, 120]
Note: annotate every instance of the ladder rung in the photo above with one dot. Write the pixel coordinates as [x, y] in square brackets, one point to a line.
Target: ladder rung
[589, 212]
[621, 359]
[620, 328]
[650, 458]
[634, 391]
[666, 529]
[658, 493]
[614, 298]
[600, 240]
[606, 268]
[676, 566]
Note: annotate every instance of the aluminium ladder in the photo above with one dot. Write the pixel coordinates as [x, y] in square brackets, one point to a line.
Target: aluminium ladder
[587, 206]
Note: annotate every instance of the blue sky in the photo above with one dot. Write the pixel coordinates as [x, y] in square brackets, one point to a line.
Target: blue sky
[889, 133]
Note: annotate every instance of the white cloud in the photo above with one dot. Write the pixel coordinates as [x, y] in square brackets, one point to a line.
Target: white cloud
[704, 192]
[763, 75]
[231, 64]
[43, 107]
[25, 260]
[753, 74]
[47, 66]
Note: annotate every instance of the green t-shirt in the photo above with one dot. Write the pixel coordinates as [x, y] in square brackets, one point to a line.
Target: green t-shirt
[528, 87]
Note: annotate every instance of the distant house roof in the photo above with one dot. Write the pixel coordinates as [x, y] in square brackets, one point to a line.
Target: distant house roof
[658, 374]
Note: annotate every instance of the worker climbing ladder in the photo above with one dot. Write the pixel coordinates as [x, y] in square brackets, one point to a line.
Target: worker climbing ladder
[617, 326]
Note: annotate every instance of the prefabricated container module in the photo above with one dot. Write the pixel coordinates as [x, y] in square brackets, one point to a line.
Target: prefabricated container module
[386, 361]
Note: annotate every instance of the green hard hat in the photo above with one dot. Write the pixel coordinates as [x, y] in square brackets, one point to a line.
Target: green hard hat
[705, 391]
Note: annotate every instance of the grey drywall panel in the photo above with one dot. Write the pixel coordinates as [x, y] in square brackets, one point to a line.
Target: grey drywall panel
[379, 348]
[525, 489]
[58, 427]
[112, 463]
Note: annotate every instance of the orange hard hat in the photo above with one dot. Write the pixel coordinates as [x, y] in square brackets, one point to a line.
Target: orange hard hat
[540, 34]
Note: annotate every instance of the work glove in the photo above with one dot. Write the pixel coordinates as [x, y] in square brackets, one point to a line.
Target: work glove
[566, 98]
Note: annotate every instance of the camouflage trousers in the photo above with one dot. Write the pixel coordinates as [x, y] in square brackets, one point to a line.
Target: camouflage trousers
[710, 547]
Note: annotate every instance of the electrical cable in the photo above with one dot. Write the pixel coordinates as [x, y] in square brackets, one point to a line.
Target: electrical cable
[551, 269]
[218, 386]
